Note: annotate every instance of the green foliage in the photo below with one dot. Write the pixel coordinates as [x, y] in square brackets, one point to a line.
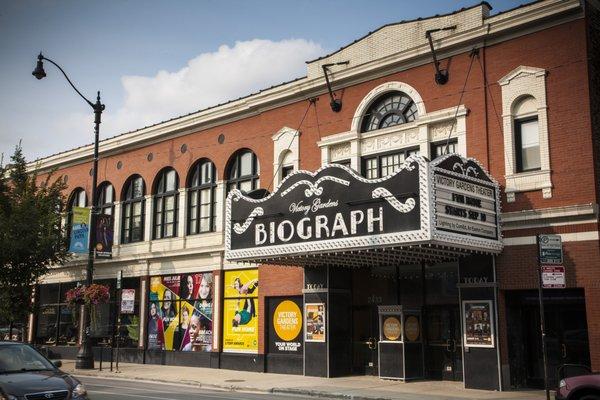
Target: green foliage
[133, 329]
[31, 238]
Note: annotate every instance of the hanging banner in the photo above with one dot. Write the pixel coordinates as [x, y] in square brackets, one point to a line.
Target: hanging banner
[104, 236]
[127, 301]
[240, 311]
[79, 230]
[314, 313]
[285, 333]
[181, 309]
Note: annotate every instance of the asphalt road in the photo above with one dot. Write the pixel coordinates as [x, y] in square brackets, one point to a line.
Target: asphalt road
[109, 389]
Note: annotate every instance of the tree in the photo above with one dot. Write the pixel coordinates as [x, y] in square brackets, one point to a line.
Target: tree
[31, 237]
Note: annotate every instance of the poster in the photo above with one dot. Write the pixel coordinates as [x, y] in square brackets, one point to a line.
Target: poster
[79, 230]
[392, 328]
[315, 322]
[478, 324]
[285, 330]
[240, 311]
[181, 309]
[104, 236]
[127, 301]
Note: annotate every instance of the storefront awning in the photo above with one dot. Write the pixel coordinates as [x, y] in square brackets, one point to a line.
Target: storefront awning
[426, 211]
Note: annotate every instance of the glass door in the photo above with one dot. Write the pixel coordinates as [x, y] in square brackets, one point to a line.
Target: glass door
[443, 350]
[365, 335]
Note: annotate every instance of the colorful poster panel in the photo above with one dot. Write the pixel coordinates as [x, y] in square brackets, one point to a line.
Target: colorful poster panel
[285, 327]
[241, 283]
[79, 230]
[315, 322]
[104, 236]
[240, 314]
[186, 324]
[478, 325]
[196, 313]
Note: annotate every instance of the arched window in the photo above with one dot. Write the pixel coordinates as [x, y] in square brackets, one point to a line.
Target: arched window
[527, 137]
[165, 204]
[391, 109]
[201, 197]
[132, 229]
[77, 199]
[105, 199]
[243, 171]
[287, 164]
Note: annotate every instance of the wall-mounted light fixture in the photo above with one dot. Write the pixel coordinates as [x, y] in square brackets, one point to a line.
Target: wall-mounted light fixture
[336, 104]
[441, 75]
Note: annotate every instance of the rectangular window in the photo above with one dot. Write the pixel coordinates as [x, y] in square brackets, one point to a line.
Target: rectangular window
[439, 149]
[382, 165]
[527, 145]
[287, 170]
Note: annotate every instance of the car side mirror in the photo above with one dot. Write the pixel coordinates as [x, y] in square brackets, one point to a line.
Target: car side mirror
[57, 363]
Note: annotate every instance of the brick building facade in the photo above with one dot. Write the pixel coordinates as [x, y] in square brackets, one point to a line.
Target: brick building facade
[534, 64]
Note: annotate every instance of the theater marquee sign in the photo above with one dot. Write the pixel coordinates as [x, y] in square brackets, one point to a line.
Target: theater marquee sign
[450, 201]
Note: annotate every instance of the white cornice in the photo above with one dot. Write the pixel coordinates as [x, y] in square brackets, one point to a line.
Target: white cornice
[494, 29]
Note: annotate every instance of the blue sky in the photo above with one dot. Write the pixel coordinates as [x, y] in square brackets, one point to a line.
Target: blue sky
[154, 60]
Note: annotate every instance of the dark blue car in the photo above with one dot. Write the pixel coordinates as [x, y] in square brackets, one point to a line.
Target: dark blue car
[25, 374]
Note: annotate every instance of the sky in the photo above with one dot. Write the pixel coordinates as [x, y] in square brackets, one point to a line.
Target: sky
[156, 60]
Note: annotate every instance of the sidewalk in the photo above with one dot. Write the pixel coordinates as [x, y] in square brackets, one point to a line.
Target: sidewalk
[354, 387]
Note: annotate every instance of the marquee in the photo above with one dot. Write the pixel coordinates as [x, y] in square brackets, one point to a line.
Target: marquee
[425, 211]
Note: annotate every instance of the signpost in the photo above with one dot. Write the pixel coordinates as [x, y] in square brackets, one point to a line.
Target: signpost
[549, 277]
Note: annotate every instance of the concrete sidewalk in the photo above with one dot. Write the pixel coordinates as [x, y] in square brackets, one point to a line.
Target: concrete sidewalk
[354, 387]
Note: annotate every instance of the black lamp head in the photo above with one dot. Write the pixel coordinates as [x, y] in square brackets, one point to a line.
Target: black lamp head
[336, 105]
[39, 72]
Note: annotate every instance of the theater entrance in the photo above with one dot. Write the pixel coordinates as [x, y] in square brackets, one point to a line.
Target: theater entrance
[371, 287]
[443, 349]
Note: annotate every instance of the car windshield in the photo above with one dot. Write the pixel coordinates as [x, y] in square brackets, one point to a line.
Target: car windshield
[21, 358]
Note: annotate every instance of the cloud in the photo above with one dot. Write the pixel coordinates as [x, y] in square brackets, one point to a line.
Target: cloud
[210, 79]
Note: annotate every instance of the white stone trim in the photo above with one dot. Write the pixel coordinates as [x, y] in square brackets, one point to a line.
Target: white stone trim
[284, 141]
[520, 83]
[566, 237]
[427, 129]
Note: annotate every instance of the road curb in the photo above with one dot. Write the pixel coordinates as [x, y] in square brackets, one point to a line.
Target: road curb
[317, 394]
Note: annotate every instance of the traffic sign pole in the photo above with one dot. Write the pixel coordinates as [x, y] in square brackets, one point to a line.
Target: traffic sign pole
[542, 317]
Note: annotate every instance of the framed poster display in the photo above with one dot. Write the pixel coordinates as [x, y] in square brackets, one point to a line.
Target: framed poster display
[478, 323]
[314, 313]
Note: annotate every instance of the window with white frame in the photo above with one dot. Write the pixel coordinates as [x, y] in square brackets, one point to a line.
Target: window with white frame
[382, 165]
[526, 136]
[201, 198]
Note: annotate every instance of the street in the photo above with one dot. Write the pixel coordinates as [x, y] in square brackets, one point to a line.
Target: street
[107, 389]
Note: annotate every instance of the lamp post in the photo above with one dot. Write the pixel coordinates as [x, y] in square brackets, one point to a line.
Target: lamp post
[85, 356]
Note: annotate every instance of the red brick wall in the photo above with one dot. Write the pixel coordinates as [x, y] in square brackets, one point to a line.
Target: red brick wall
[275, 281]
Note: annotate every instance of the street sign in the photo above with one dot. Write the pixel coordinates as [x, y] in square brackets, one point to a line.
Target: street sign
[553, 277]
[550, 249]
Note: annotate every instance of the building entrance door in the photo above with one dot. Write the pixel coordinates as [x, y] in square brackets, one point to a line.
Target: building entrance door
[566, 334]
[443, 349]
[365, 335]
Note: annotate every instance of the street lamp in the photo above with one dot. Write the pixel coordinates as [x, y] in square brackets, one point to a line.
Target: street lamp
[85, 356]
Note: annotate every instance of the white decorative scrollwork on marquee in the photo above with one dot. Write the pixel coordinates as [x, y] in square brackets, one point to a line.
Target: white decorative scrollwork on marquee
[470, 171]
[393, 201]
[314, 188]
[257, 212]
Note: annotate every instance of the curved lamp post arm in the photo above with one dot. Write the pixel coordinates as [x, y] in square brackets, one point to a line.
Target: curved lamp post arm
[41, 57]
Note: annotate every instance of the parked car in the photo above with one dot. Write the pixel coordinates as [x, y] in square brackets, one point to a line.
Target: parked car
[27, 374]
[577, 383]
